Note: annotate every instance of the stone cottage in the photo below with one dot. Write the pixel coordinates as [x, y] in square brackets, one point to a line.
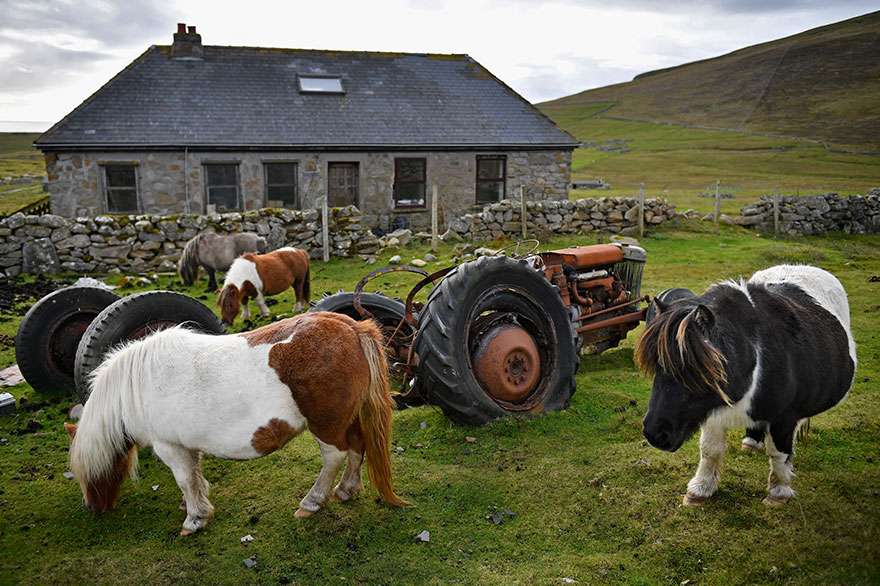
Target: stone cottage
[190, 128]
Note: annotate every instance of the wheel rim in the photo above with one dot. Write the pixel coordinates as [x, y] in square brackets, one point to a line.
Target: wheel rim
[510, 336]
[60, 343]
[507, 363]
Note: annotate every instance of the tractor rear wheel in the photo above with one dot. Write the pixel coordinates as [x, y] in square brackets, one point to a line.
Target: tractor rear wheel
[132, 318]
[495, 339]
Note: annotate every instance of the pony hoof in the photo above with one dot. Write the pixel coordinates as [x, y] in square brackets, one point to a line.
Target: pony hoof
[774, 501]
[691, 500]
[187, 532]
[750, 446]
[301, 513]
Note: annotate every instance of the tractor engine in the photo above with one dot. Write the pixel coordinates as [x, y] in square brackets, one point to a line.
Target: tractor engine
[598, 283]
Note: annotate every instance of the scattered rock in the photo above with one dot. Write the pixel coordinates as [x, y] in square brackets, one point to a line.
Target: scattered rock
[417, 262]
[430, 257]
[250, 562]
[423, 537]
[247, 538]
[68, 475]
[395, 260]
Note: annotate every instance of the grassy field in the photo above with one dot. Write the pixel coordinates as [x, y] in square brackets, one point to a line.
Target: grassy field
[592, 502]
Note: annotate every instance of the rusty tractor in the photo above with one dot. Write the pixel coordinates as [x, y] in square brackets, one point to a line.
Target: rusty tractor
[500, 335]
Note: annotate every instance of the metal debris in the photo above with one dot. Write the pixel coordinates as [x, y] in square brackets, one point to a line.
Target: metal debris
[423, 537]
[155, 487]
[247, 538]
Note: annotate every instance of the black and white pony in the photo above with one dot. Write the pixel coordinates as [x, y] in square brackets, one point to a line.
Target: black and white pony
[764, 354]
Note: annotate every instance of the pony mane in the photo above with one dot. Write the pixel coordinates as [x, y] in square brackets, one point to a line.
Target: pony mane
[115, 404]
[676, 343]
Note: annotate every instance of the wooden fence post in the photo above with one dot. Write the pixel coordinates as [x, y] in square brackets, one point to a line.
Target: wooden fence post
[325, 230]
[776, 210]
[717, 202]
[522, 209]
[435, 238]
[641, 210]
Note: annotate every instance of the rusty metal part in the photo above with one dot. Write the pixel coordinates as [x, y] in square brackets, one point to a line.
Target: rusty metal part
[507, 362]
[516, 253]
[627, 318]
[378, 273]
[611, 309]
[59, 345]
[418, 287]
[596, 255]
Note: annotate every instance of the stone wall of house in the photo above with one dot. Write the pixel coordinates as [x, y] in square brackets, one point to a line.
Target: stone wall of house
[815, 214]
[172, 182]
[51, 244]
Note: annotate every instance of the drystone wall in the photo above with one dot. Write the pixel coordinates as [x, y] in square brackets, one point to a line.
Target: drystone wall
[50, 244]
[815, 214]
[606, 214]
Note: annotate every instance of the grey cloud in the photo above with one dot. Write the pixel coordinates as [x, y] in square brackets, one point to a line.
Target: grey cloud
[35, 65]
[131, 21]
[839, 10]
[545, 82]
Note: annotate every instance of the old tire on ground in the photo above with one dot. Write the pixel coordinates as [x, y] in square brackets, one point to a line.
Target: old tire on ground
[386, 310]
[134, 317]
[495, 339]
[49, 333]
[666, 297]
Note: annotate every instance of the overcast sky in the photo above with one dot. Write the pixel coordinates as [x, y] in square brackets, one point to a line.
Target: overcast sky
[56, 53]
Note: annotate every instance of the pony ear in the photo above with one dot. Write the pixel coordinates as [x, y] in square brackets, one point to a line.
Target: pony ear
[704, 317]
[70, 428]
[660, 305]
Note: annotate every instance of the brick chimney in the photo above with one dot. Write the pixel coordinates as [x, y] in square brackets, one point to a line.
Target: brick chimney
[187, 43]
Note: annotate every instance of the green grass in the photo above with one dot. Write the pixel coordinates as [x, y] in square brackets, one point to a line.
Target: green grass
[592, 501]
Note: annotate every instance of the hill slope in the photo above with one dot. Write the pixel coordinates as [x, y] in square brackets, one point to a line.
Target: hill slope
[822, 84]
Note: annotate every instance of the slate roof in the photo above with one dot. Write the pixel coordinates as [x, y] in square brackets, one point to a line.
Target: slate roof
[248, 97]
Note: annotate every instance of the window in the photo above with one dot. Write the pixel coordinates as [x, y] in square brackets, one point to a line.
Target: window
[409, 183]
[221, 184]
[320, 84]
[342, 184]
[491, 176]
[281, 185]
[120, 182]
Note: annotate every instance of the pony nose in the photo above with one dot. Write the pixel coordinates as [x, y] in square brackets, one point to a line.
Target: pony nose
[91, 508]
[659, 433]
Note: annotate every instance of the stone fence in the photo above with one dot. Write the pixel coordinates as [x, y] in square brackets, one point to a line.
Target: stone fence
[48, 244]
[815, 214]
[606, 214]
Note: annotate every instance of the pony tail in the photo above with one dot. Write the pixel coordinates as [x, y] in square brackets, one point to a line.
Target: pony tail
[375, 413]
[188, 265]
[307, 286]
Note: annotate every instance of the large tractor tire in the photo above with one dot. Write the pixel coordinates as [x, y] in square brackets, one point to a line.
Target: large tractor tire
[49, 333]
[132, 318]
[495, 339]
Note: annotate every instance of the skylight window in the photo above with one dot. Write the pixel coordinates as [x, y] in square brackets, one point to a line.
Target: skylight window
[320, 84]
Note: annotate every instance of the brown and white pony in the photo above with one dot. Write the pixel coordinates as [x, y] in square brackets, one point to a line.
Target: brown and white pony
[252, 276]
[239, 397]
[215, 252]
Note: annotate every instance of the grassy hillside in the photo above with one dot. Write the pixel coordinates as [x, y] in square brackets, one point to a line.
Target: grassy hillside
[18, 157]
[677, 162]
[821, 84]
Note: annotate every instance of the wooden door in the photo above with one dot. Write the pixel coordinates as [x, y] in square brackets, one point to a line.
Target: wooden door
[342, 184]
